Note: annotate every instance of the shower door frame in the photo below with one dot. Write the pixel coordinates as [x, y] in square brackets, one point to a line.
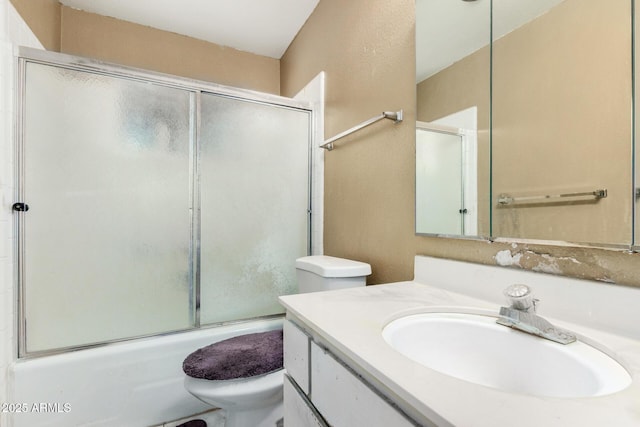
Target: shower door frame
[26, 55]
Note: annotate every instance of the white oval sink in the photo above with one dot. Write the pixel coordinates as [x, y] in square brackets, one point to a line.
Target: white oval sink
[476, 349]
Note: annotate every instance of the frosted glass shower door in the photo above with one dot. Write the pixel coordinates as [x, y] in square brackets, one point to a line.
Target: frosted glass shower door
[107, 238]
[254, 175]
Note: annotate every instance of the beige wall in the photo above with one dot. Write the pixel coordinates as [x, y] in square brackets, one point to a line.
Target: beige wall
[121, 42]
[43, 17]
[63, 29]
[367, 49]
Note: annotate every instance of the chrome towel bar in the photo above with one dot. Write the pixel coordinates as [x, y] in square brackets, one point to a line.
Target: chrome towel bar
[505, 199]
[396, 116]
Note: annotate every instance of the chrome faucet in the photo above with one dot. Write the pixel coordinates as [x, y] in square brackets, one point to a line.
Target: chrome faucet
[521, 315]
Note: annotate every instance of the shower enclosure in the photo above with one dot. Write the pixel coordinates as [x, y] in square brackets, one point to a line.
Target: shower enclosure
[149, 204]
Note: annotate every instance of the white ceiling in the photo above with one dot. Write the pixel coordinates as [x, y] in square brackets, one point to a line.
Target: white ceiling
[263, 27]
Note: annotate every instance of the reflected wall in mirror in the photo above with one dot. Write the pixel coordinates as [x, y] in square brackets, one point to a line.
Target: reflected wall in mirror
[453, 76]
[562, 121]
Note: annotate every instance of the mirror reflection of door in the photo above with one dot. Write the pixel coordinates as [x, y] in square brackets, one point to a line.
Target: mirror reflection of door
[445, 181]
[439, 194]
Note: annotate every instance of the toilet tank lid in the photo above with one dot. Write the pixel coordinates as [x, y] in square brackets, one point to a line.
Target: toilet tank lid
[328, 266]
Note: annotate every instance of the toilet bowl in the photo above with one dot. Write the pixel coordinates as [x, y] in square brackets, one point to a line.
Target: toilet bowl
[253, 401]
[256, 400]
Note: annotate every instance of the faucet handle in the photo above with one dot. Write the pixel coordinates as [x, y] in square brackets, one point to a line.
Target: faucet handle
[520, 297]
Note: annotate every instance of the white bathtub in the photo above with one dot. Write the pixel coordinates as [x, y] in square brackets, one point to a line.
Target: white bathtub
[137, 383]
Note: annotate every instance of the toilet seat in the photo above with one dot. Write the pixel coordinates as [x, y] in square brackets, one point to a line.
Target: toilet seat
[243, 356]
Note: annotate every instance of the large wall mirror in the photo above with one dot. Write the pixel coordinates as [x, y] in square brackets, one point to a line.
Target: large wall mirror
[453, 117]
[550, 82]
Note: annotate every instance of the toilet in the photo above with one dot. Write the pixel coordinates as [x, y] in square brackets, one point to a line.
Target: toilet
[255, 397]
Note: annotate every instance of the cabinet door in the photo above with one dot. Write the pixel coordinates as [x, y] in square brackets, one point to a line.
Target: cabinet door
[344, 400]
[298, 412]
[296, 355]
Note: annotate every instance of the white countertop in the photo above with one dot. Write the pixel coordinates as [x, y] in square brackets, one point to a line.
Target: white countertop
[350, 322]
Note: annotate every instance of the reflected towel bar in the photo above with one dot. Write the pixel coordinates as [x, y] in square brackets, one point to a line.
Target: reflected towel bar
[396, 116]
[505, 199]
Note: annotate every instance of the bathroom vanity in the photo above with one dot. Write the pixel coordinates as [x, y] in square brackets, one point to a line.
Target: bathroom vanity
[341, 371]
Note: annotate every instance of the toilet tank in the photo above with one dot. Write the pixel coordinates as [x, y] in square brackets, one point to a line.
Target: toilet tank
[324, 273]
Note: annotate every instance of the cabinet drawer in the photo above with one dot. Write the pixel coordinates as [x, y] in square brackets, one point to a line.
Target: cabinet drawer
[344, 400]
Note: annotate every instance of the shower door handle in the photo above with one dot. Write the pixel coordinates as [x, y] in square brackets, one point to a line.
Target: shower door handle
[20, 207]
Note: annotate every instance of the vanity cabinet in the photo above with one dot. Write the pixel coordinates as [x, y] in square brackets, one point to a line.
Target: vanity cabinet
[357, 376]
[320, 390]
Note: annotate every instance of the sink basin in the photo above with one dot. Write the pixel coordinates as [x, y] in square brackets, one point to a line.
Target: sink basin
[474, 348]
